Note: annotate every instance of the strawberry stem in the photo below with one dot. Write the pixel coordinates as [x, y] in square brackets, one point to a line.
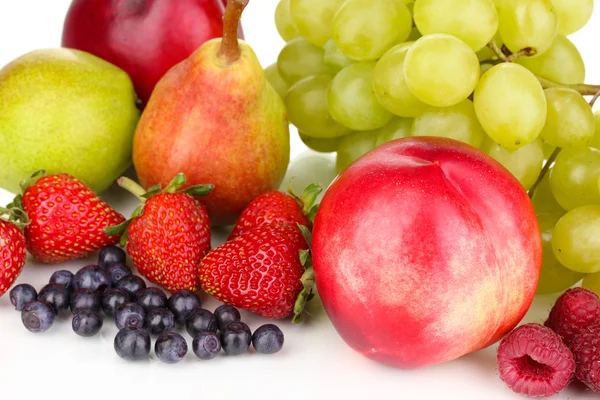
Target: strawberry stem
[31, 180]
[132, 187]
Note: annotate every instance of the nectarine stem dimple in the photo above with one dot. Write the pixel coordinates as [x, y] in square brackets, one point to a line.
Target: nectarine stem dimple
[230, 48]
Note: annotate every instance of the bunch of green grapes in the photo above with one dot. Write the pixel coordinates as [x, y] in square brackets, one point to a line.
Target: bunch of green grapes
[499, 75]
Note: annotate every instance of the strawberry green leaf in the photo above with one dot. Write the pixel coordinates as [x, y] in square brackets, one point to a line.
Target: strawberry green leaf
[312, 214]
[29, 181]
[117, 230]
[306, 233]
[309, 197]
[199, 190]
[304, 254]
[154, 190]
[308, 281]
[176, 183]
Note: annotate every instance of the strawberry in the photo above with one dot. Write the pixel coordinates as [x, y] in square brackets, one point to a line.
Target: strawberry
[264, 270]
[66, 219]
[276, 206]
[168, 234]
[12, 253]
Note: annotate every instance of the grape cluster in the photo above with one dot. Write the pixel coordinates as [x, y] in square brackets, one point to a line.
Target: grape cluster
[500, 75]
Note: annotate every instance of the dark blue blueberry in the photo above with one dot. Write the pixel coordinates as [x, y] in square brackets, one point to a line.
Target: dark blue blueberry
[170, 347]
[91, 277]
[201, 320]
[131, 284]
[111, 255]
[159, 321]
[38, 316]
[22, 294]
[132, 344]
[206, 345]
[87, 323]
[183, 303]
[226, 314]
[130, 315]
[267, 339]
[118, 271]
[151, 298]
[64, 278]
[236, 338]
[112, 299]
[56, 295]
[85, 299]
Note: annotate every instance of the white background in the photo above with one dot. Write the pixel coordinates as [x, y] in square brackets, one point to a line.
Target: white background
[315, 362]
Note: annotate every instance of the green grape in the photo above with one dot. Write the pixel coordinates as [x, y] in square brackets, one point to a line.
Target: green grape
[553, 277]
[398, 128]
[486, 53]
[475, 22]
[306, 103]
[365, 29]
[561, 63]
[576, 239]
[525, 163]
[308, 168]
[352, 147]
[283, 21]
[352, 102]
[313, 18]
[569, 121]
[527, 24]
[548, 150]
[441, 70]
[485, 67]
[457, 122]
[274, 77]
[592, 282]
[327, 145]
[299, 59]
[510, 105]
[390, 85]
[574, 177]
[596, 141]
[543, 200]
[572, 14]
[334, 56]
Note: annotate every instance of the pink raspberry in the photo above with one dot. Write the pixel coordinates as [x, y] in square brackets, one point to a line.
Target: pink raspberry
[534, 361]
[586, 350]
[575, 309]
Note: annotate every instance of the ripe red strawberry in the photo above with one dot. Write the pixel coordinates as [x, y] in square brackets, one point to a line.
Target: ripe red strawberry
[12, 254]
[168, 234]
[277, 207]
[66, 219]
[261, 271]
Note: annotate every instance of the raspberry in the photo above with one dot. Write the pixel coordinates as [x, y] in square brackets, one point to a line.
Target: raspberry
[533, 361]
[575, 309]
[586, 350]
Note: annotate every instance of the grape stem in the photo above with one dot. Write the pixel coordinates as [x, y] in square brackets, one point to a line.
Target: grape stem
[545, 170]
[593, 100]
[494, 47]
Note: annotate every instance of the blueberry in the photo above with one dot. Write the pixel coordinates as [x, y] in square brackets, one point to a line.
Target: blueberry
[267, 339]
[130, 315]
[91, 277]
[236, 338]
[87, 323]
[56, 295]
[64, 278]
[118, 271]
[111, 255]
[170, 347]
[183, 303]
[159, 321]
[38, 316]
[112, 299]
[22, 294]
[131, 284]
[206, 345]
[200, 321]
[226, 314]
[132, 344]
[85, 299]
[151, 298]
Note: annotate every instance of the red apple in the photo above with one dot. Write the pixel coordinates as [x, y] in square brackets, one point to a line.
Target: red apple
[424, 250]
[143, 37]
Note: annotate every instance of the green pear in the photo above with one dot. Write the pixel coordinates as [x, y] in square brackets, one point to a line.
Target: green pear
[65, 111]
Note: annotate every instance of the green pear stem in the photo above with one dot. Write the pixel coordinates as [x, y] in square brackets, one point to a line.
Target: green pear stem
[132, 187]
[230, 48]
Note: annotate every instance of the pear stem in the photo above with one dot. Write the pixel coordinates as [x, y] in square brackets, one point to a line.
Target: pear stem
[230, 48]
